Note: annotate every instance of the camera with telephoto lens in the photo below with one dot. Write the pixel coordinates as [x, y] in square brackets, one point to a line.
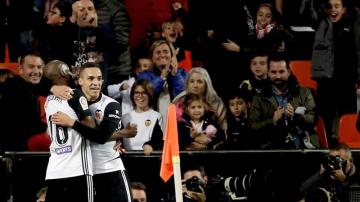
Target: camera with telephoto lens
[193, 184]
[254, 185]
[332, 163]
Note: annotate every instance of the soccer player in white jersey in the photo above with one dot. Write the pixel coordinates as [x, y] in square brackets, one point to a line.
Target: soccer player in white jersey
[110, 179]
[69, 171]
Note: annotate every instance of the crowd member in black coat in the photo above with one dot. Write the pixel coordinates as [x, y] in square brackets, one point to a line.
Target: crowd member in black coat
[238, 130]
[57, 34]
[19, 103]
[113, 13]
[336, 176]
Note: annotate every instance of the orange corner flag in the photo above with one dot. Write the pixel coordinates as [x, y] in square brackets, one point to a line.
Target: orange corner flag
[170, 153]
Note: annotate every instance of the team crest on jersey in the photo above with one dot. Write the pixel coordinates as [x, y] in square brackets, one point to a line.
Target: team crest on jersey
[147, 122]
[98, 115]
[83, 103]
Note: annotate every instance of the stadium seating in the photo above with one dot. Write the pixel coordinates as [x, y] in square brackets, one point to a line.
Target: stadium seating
[320, 130]
[11, 66]
[186, 63]
[302, 70]
[347, 131]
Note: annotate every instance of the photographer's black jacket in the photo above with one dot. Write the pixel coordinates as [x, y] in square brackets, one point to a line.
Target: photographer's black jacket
[324, 181]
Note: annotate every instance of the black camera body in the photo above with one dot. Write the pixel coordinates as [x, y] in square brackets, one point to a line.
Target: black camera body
[193, 184]
[332, 163]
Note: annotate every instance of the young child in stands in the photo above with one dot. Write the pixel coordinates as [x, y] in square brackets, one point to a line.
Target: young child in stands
[258, 78]
[121, 91]
[197, 128]
[238, 133]
[172, 32]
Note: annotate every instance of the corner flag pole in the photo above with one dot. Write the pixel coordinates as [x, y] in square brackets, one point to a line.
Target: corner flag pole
[170, 161]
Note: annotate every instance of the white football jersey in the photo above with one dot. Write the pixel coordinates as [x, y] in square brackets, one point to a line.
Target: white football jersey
[105, 158]
[70, 153]
[145, 122]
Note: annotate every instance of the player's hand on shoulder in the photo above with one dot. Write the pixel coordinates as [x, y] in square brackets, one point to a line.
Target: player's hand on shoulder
[60, 118]
[63, 92]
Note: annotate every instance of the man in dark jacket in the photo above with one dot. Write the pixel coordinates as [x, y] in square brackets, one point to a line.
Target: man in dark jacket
[20, 107]
[283, 115]
[19, 103]
[114, 14]
[336, 176]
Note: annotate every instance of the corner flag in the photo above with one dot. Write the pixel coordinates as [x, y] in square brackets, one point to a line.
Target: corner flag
[170, 154]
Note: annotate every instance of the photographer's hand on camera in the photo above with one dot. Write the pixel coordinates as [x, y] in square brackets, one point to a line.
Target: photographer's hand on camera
[338, 175]
[195, 196]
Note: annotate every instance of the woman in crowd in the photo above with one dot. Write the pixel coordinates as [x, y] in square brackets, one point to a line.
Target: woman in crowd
[199, 82]
[149, 134]
[167, 78]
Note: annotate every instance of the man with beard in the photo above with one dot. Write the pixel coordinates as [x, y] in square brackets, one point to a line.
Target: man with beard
[283, 115]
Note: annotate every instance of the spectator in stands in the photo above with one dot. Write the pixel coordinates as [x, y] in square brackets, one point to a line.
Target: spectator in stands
[121, 91]
[283, 115]
[17, 25]
[172, 33]
[259, 73]
[58, 34]
[19, 101]
[93, 42]
[167, 78]
[238, 130]
[334, 49]
[149, 135]
[138, 191]
[199, 82]
[113, 13]
[41, 195]
[270, 34]
[181, 15]
[197, 128]
[336, 175]
[236, 26]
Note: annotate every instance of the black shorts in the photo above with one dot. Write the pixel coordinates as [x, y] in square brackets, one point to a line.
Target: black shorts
[113, 186]
[73, 189]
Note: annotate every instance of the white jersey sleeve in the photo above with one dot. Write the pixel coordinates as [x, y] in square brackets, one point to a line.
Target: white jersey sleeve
[70, 153]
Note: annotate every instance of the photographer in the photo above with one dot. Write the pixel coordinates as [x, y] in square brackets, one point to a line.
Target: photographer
[194, 184]
[336, 175]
